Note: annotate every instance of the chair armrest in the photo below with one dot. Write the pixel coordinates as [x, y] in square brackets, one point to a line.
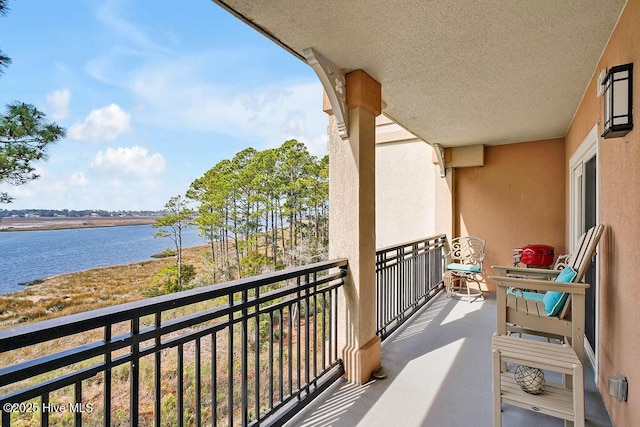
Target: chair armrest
[540, 272]
[539, 285]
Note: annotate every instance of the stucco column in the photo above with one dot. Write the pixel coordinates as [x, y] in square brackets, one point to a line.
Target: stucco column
[352, 224]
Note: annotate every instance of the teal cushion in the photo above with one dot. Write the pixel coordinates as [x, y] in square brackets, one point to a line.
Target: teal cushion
[553, 300]
[567, 275]
[464, 267]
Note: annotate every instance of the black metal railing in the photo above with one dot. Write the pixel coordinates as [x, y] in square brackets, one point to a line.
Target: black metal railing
[407, 276]
[247, 352]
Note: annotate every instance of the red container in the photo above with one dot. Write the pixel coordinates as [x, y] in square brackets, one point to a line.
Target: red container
[537, 255]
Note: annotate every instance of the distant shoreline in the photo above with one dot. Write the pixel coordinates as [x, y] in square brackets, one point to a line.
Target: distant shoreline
[63, 223]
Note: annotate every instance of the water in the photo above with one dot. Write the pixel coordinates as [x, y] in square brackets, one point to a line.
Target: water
[31, 255]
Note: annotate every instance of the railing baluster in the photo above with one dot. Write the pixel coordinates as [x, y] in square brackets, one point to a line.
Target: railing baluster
[157, 373]
[281, 355]
[315, 326]
[198, 379]
[78, 404]
[44, 415]
[107, 381]
[214, 379]
[230, 363]
[134, 372]
[332, 320]
[244, 357]
[6, 419]
[180, 384]
[324, 329]
[389, 291]
[257, 358]
[307, 337]
[335, 324]
[290, 348]
[271, 337]
[298, 333]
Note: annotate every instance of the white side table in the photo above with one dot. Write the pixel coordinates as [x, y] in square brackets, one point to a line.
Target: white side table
[558, 400]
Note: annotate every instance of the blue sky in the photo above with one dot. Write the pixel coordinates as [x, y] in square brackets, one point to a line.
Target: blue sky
[152, 95]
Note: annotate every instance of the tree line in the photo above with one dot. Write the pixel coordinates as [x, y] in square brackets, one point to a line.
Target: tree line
[259, 211]
[264, 209]
[73, 213]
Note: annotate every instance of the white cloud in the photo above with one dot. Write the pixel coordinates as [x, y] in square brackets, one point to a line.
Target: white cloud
[130, 161]
[52, 190]
[58, 104]
[266, 115]
[123, 178]
[110, 15]
[104, 124]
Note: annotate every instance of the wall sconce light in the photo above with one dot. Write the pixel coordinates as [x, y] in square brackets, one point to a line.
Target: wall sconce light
[618, 101]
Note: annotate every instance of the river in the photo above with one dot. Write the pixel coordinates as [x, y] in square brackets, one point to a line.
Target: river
[31, 255]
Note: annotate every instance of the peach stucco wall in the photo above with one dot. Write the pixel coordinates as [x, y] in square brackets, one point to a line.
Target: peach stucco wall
[619, 165]
[516, 198]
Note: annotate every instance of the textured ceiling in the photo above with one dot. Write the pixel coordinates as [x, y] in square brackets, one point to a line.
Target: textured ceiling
[455, 72]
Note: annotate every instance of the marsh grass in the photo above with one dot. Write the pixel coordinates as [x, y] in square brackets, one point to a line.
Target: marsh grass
[89, 289]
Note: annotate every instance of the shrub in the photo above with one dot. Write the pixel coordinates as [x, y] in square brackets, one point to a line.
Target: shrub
[254, 263]
[166, 280]
[166, 253]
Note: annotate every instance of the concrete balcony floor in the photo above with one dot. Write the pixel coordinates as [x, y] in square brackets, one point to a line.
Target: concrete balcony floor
[439, 374]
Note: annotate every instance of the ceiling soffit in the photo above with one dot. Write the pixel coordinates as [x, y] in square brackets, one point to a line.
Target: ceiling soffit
[455, 72]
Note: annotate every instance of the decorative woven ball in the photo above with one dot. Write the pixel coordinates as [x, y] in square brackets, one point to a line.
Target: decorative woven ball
[530, 379]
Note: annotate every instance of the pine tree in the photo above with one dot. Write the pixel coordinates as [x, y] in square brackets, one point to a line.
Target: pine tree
[176, 219]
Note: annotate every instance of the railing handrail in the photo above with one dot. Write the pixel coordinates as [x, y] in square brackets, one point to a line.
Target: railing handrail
[46, 330]
[409, 243]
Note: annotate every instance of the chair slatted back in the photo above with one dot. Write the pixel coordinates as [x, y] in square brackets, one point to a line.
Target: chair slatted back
[580, 259]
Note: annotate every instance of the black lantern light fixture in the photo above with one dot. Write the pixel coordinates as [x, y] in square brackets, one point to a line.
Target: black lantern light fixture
[618, 101]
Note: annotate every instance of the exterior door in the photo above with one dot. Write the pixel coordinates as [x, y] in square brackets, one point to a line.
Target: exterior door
[590, 211]
[584, 180]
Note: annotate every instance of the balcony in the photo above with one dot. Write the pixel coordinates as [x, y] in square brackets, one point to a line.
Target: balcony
[258, 351]
[439, 374]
